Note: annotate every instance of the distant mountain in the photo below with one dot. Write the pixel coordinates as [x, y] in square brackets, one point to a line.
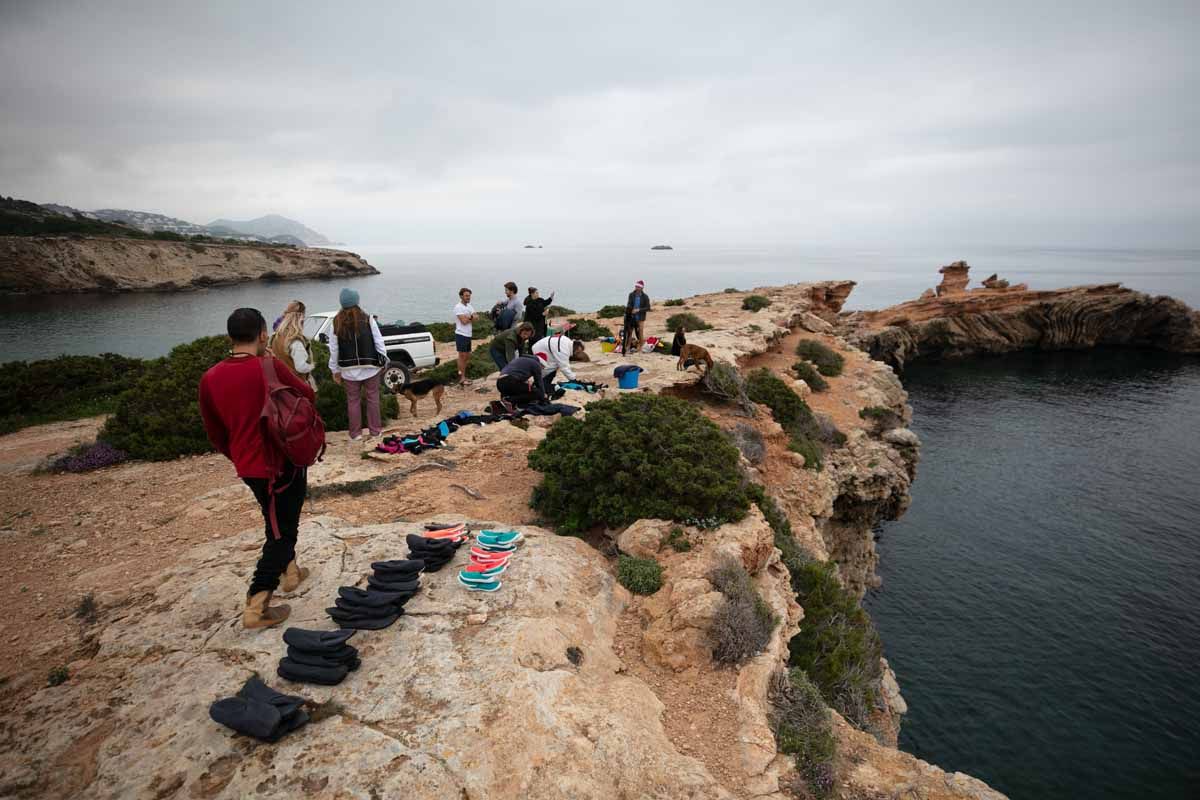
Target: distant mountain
[150, 222]
[273, 225]
[67, 211]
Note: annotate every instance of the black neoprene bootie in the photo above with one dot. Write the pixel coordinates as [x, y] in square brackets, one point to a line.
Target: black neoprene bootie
[260, 720]
[349, 659]
[316, 641]
[307, 673]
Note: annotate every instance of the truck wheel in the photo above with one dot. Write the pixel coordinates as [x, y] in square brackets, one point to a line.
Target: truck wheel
[395, 377]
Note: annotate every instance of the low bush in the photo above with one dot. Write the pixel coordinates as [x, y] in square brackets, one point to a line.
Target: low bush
[686, 321]
[588, 330]
[881, 418]
[828, 361]
[158, 418]
[611, 312]
[677, 539]
[678, 301]
[57, 676]
[725, 383]
[743, 624]
[87, 457]
[804, 729]
[640, 456]
[560, 311]
[732, 290]
[67, 387]
[837, 645]
[790, 411]
[639, 575]
[755, 302]
[828, 431]
[793, 557]
[480, 365]
[331, 398]
[441, 331]
[750, 442]
[808, 373]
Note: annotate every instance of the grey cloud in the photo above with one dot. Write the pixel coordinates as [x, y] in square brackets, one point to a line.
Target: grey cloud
[1070, 123]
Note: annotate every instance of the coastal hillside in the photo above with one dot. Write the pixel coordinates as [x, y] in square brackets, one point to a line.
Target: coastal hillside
[74, 263]
[272, 226]
[608, 665]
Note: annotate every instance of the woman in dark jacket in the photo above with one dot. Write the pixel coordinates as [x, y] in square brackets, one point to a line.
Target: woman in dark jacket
[535, 312]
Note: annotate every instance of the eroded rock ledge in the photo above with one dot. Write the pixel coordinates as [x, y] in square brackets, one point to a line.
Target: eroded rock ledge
[59, 264]
[997, 318]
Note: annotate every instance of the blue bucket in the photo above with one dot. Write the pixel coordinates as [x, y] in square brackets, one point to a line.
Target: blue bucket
[629, 379]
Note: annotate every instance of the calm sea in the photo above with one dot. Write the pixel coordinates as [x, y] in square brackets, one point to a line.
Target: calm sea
[1041, 598]
[423, 286]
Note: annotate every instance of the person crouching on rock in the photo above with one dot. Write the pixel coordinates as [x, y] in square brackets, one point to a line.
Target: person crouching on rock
[232, 394]
[290, 345]
[357, 355]
[511, 343]
[521, 381]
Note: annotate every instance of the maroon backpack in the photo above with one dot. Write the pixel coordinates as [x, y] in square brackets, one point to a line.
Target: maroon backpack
[292, 428]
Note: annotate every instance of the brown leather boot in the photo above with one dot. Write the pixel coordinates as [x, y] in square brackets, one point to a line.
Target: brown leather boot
[292, 577]
[260, 614]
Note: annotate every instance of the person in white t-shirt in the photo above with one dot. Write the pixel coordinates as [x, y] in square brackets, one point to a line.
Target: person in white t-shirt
[464, 314]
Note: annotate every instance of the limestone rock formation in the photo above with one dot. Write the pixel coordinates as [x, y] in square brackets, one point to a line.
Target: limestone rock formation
[828, 297]
[467, 695]
[987, 321]
[994, 281]
[954, 278]
[50, 264]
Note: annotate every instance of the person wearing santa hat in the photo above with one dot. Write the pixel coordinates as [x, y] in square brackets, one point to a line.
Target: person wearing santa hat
[635, 316]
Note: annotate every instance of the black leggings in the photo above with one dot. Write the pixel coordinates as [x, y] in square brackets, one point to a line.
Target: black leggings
[278, 553]
[515, 390]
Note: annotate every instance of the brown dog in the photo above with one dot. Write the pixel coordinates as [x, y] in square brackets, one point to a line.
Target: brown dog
[694, 355]
[416, 389]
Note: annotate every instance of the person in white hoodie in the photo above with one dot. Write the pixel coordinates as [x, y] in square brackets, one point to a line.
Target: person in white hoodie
[555, 354]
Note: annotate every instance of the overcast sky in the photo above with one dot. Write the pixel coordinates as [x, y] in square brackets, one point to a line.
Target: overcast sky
[611, 123]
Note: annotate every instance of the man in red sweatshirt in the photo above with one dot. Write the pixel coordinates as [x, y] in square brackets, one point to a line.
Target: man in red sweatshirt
[232, 394]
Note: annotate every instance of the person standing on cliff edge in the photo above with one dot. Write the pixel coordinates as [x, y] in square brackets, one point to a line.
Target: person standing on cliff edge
[232, 396]
[636, 308]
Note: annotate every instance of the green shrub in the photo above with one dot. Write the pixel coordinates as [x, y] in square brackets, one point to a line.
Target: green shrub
[829, 362]
[750, 442]
[881, 418]
[560, 311]
[837, 645]
[790, 411]
[331, 398]
[743, 624]
[57, 676]
[732, 290]
[480, 365]
[686, 321]
[441, 331]
[755, 302]
[677, 539]
[808, 373]
[804, 729]
[588, 330]
[67, 387]
[623, 461]
[678, 301]
[781, 528]
[726, 384]
[158, 418]
[639, 575]
[611, 312]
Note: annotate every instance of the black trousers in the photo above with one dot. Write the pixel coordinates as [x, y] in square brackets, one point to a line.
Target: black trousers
[278, 553]
[515, 390]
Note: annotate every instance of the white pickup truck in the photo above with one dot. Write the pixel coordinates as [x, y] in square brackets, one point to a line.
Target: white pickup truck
[409, 347]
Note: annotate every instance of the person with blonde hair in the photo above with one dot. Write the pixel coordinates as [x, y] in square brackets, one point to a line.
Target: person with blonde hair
[357, 356]
[289, 344]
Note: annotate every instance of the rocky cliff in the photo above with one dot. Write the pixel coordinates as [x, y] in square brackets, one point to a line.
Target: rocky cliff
[956, 321]
[49, 264]
[561, 685]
